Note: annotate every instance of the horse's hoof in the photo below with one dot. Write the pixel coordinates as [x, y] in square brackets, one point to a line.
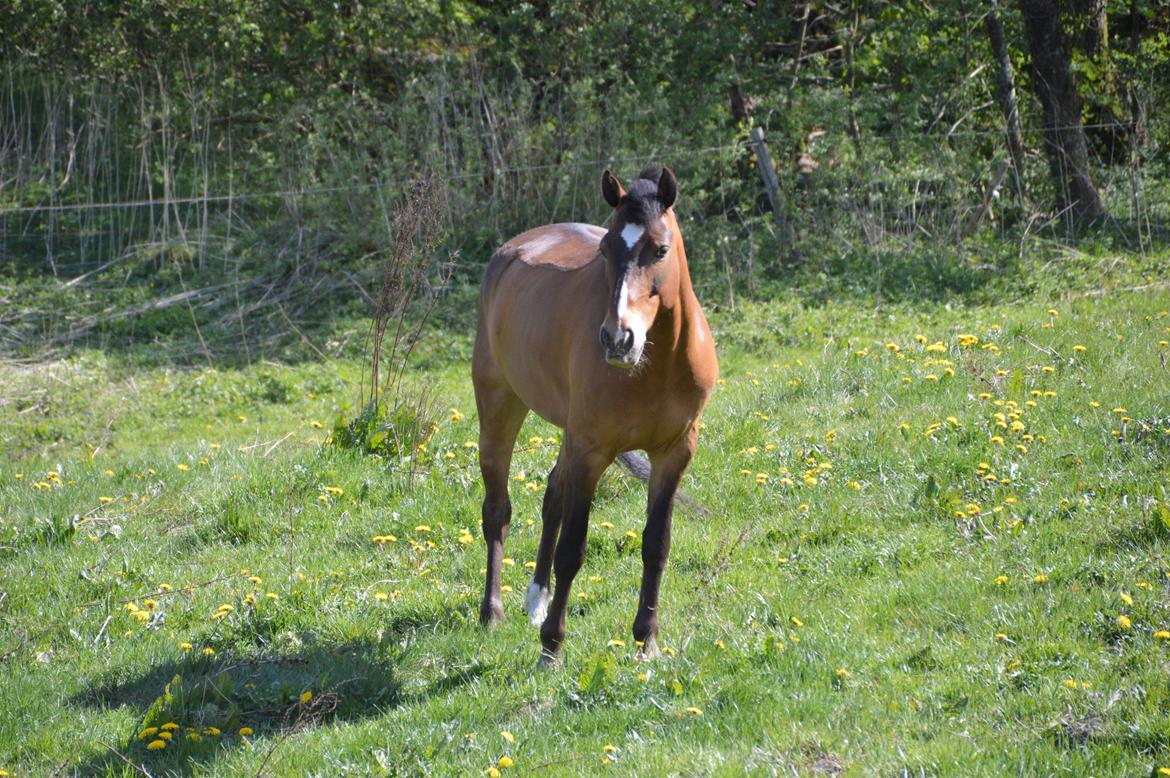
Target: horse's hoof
[491, 615]
[648, 651]
[550, 661]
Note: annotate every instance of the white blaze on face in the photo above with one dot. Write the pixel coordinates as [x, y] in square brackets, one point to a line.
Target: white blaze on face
[631, 319]
[631, 233]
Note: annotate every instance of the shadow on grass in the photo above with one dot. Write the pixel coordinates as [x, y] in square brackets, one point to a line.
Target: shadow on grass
[211, 704]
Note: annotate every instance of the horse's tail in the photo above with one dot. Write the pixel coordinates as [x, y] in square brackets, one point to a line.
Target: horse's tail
[640, 467]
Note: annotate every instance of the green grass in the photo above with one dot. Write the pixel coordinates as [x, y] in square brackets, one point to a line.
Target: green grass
[875, 621]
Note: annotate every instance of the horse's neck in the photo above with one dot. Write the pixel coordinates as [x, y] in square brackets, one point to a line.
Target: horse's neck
[674, 326]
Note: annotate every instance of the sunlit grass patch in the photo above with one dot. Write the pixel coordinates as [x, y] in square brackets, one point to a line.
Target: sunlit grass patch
[962, 575]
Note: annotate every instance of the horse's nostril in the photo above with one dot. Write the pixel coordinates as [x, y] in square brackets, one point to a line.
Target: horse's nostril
[603, 338]
[627, 339]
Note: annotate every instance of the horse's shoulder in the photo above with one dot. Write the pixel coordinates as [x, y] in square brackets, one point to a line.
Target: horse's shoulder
[558, 246]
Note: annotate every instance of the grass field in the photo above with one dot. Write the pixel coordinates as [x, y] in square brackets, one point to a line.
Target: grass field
[937, 546]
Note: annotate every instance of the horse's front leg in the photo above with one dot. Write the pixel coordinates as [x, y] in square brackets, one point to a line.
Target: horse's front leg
[666, 469]
[537, 597]
[578, 471]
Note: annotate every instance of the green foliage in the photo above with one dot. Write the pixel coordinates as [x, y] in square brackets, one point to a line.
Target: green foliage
[389, 432]
[208, 701]
[600, 671]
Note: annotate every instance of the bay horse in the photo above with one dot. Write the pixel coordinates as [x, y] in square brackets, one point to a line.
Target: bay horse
[599, 332]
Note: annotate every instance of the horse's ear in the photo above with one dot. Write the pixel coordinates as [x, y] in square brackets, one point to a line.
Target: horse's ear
[611, 189]
[667, 188]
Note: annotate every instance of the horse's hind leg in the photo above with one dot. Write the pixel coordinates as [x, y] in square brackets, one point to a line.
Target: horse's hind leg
[501, 413]
[537, 597]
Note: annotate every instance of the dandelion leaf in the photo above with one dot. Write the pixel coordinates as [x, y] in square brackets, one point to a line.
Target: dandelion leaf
[599, 672]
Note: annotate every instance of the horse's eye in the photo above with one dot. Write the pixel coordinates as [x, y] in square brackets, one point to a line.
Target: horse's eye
[661, 251]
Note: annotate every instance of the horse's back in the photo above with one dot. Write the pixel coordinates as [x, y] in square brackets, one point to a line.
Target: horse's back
[568, 246]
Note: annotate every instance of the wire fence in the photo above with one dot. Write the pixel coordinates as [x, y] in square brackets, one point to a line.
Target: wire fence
[115, 217]
[675, 154]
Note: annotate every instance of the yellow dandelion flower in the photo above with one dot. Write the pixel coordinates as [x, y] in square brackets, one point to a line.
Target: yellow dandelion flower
[505, 761]
[615, 643]
[165, 735]
[1041, 578]
[694, 711]
[1162, 634]
[843, 673]
[148, 732]
[208, 651]
[422, 528]
[170, 725]
[245, 731]
[213, 731]
[492, 772]
[796, 622]
[306, 696]
[1124, 622]
[1127, 599]
[1000, 580]
[157, 745]
[183, 467]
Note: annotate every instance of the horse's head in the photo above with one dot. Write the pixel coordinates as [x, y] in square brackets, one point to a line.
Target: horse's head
[642, 250]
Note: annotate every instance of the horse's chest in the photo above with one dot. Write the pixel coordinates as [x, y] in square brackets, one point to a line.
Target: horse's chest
[653, 419]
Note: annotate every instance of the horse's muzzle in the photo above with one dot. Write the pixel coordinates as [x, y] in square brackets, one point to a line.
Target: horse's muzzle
[619, 354]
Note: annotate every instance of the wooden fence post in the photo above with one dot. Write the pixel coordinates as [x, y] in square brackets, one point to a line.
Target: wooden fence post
[772, 186]
[989, 194]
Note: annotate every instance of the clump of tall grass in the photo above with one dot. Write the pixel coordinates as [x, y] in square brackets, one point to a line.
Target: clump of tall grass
[394, 417]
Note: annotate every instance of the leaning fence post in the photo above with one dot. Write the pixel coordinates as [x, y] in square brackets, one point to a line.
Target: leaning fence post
[772, 185]
[988, 195]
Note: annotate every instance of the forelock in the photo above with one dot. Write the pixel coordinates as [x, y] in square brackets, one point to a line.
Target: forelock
[641, 201]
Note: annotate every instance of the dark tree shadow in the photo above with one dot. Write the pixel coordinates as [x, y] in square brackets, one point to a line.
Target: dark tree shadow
[212, 703]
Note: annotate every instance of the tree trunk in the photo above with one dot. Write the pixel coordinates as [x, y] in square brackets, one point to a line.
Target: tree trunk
[1005, 92]
[1064, 136]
